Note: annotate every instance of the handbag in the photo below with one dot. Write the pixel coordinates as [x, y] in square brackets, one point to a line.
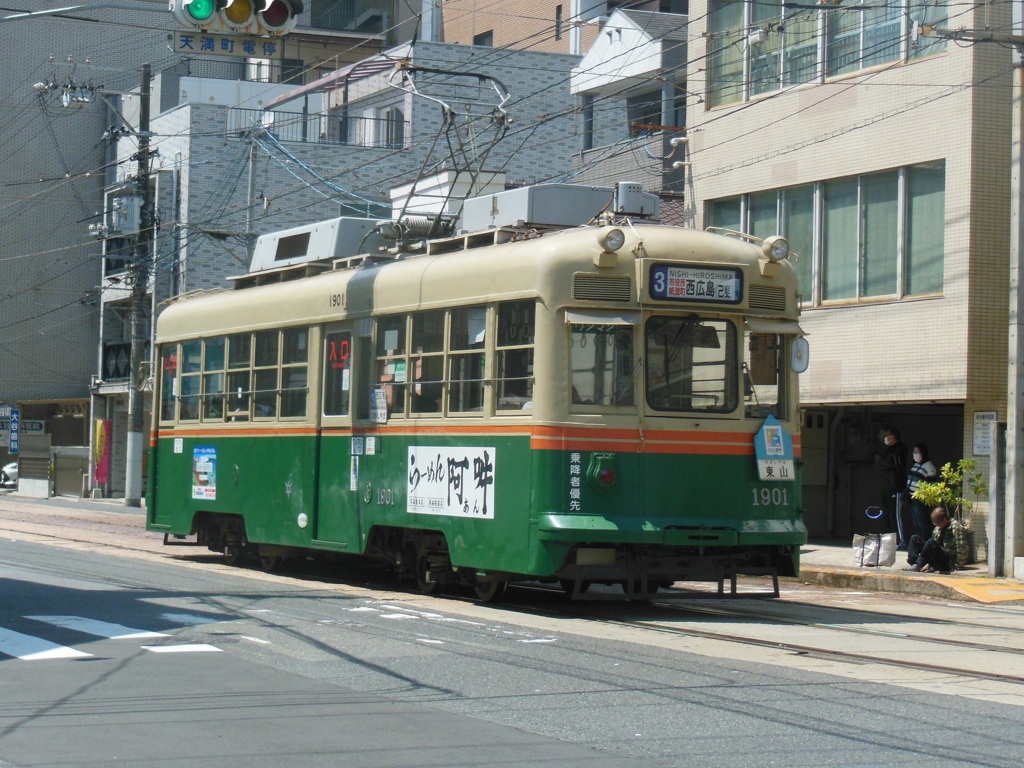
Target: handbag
[873, 550]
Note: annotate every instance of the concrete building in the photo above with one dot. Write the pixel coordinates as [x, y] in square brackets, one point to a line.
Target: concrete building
[63, 312]
[52, 175]
[885, 159]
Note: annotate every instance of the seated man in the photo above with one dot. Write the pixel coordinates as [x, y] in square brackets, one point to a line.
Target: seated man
[946, 549]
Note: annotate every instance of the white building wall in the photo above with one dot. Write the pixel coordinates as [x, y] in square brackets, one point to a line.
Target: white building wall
[871, 350]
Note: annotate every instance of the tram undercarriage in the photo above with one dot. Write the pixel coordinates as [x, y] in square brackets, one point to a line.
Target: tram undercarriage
[422, 556]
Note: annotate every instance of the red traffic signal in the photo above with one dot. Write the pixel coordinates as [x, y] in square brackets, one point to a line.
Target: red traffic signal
[279, 16]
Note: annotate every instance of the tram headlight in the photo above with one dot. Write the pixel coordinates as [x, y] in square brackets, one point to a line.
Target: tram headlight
[612, 239]
[775, 248]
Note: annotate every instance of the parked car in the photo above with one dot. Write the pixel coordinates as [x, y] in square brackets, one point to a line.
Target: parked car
[9, 474]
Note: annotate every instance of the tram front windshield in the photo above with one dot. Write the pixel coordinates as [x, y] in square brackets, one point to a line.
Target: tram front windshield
[691, 364]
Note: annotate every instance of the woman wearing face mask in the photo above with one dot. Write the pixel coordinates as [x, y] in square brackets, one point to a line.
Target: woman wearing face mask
[922, 469]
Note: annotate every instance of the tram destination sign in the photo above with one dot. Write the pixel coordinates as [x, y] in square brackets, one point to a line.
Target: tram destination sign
[686, 282]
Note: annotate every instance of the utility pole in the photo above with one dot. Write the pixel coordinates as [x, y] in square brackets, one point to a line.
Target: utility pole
[139, 269]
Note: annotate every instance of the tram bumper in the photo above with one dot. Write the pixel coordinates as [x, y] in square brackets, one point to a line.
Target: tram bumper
[574, 544]
[601, 529]
[630, 530]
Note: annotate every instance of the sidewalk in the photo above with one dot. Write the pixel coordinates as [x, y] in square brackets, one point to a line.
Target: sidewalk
[831, 564]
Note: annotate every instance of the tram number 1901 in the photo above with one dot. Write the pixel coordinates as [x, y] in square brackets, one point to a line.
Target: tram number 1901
[770, 497]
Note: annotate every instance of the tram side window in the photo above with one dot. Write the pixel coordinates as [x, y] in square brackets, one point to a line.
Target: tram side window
[337, 373]
[265, 374]
[603, 364]
[169, 382]
[294, 370]
[691, 363]
[213, 379]
[764, 377]
[191, 378]
[426, 379]
[466, 359]
[239, 376]
[391, 363]
[515, 338]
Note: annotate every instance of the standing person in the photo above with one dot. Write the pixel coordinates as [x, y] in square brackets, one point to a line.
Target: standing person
[946, 550]
[894, 480]
[921, 469]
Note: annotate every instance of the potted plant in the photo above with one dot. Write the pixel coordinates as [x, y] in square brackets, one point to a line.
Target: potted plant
[957, 490]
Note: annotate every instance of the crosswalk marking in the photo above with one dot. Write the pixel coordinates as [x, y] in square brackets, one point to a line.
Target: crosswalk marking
[31, 648]
[98, 628]
[187, 648]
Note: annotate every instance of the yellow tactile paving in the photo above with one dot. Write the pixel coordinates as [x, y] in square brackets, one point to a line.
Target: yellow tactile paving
[986, 590]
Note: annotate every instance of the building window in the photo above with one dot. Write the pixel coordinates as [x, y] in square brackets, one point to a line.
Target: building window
[644, 113]
[588, 122]
[881, 234]
[558, 22]
[760, 46]
[485, 39]
[926, 203]
[393, 127]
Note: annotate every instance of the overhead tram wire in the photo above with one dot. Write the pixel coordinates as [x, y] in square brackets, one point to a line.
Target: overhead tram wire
[527, 128]
[178, 135]
[495, 50]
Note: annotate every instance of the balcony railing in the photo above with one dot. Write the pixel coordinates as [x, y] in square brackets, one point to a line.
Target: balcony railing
[382, 133]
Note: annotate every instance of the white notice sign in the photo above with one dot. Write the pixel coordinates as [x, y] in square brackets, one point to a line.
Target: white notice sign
[984, 431]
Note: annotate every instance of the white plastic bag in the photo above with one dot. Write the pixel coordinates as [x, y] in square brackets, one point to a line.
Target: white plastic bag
[871, 550]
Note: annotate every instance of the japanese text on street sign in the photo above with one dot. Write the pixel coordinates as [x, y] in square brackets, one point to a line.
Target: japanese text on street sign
[14, 435]
[211, 44]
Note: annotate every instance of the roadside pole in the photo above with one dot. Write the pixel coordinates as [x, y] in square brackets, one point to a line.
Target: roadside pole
[140, 269]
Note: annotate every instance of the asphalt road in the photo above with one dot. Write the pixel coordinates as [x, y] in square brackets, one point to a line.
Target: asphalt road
[330, 668]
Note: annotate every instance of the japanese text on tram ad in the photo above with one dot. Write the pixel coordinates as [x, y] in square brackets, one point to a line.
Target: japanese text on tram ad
[456, 482]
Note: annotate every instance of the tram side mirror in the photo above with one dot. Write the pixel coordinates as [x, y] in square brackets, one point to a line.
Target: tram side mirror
[800, 355]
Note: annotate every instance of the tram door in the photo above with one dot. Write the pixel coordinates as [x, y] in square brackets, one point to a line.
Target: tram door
[337, 512]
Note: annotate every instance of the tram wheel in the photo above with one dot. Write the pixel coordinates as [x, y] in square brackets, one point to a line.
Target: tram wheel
[270, 563]
[232, 557]
[638, 590]
[569, 586]
[489, 591]
[423, 581]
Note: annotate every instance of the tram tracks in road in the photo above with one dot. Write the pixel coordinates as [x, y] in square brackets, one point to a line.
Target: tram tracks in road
[831, 653]
[825, 651]
[847, 627]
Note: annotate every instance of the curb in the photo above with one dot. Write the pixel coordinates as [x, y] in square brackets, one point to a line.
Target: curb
[870, 580]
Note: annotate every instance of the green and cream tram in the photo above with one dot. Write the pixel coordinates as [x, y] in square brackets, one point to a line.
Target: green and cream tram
[608, 403]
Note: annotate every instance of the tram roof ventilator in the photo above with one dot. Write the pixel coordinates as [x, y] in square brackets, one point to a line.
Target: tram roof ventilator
[550, 206]
[346, 242]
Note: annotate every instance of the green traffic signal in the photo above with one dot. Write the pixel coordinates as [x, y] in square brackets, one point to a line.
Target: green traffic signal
[201, 10]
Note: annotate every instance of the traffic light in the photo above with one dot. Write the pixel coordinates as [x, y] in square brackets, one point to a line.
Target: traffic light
[244, 17]
[278, 17]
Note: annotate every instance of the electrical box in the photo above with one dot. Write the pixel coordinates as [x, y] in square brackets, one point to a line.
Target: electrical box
[125, 215]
